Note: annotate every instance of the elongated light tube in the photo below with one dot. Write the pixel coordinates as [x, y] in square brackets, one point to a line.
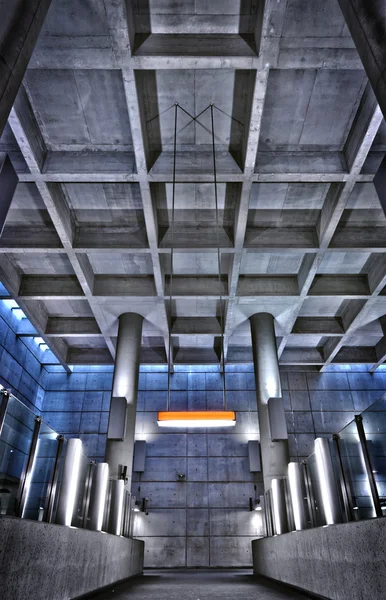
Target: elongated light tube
[191, 419]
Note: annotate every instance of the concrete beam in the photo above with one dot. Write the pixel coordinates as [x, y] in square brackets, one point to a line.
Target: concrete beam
[196, 326]
[319, 325]
[21, 24]
[141, 158]
[28, 136]
[8, 183]
[89, 356]
[72, 327]
[367, 25]
[35, 311]
[40, 287]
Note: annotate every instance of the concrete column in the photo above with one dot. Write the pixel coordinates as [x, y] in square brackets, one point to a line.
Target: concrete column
[20, 25]
[125, 384]
[366, 20]
[274, 455]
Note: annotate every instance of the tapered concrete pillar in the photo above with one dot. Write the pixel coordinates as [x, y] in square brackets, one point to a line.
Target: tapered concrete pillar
[20, 25]
[119, 452]
[274, 455]
[366, 20]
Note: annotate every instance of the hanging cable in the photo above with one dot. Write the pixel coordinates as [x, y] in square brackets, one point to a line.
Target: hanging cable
[171, 252]
[222, 357]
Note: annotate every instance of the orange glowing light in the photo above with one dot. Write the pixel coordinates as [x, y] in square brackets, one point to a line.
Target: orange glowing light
[204, 418]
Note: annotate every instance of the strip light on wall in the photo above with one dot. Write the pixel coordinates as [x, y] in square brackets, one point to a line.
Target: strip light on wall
[190, 419]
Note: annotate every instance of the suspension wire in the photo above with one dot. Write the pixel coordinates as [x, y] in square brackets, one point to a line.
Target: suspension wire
[191, 116]
[222, 357]
[171, 251]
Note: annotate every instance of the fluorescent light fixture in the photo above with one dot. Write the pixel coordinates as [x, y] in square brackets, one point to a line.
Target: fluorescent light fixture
[17, 311]
[191, 419]
[258, 508]
[11, 303]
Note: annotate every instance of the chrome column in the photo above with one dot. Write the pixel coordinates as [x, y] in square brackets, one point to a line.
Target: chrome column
[279, 506]
[99, 496]
[70, 482]
[327, 485]
[295, 479]
[116, 507]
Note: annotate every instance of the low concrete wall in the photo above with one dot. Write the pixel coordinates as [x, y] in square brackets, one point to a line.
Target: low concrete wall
[40, 560]
[339, 562]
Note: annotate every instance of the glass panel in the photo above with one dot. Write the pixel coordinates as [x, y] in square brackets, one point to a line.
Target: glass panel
[15, 443]
[374, 424]
[42, 471]
[60, 472]
[84, 467]
[355, 472]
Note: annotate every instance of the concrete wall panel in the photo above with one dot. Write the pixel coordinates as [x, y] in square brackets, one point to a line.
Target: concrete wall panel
[356, 571]
[165, 552]
[230, 551]
[163, 522]
[84, 560]
[229, 522]
[197, 552]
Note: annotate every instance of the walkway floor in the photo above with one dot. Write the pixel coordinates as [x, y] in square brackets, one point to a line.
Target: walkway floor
[235, 584]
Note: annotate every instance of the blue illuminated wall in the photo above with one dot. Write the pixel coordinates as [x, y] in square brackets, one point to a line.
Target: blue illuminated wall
[20, 369]
[203, 518]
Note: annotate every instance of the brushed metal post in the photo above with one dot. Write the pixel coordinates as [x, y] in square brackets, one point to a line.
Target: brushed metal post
[3, 407]
[310, 495]
[25, 481]
[87, 492]
[344, 484]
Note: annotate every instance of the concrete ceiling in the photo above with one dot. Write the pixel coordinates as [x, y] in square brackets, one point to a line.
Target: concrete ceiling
[299, 137]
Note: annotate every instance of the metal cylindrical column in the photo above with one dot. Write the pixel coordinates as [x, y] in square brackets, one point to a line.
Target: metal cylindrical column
[116, 507]
[125, 384]
[275, 455]
[99, 499]
[366, 20]
[279, 506]
[70, 482]
[328, 491]
[295, 478]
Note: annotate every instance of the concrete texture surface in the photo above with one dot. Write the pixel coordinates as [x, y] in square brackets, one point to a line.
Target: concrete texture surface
[200, 584]
[40, 560]
[339, 562]
[209, 508]
[299, 137]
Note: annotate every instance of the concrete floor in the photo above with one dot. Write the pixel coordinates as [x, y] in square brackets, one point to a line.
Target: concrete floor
[199, 585]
